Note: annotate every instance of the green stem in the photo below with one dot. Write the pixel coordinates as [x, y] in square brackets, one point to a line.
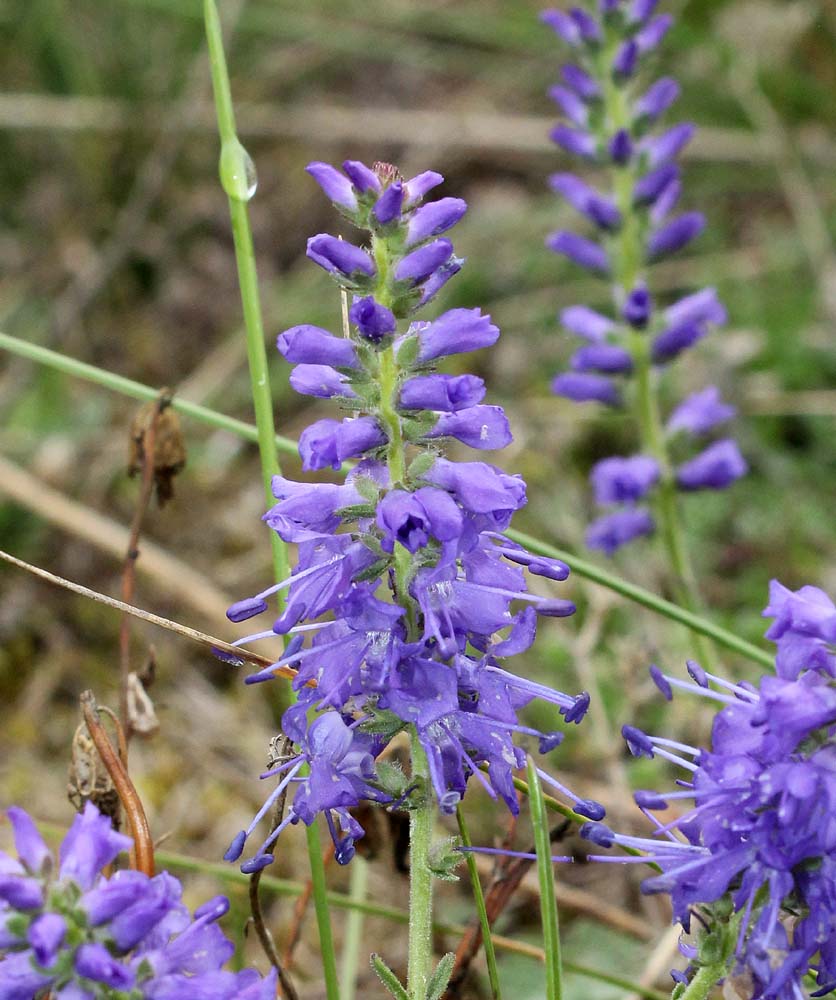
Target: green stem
[581, 567]
[704, 981]
[353, 937]
[420, 878]
[235, 166]
[136, 390]
[545, 876]
[234, 170]
[323, 915]
[481, 909]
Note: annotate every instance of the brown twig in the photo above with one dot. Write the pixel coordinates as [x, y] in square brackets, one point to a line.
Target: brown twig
[144, 442]
[142, 855]
[147, 616]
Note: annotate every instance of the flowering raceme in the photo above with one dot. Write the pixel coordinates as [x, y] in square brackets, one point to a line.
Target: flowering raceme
[759, 840]
[609, 121]
[407, 597]
[69, 933]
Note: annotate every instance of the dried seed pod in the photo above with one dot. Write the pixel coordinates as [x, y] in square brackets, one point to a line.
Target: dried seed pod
[88, 780]
[142, 719]
[169, 448]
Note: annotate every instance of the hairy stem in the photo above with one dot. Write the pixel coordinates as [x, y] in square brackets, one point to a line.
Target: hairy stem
[420, 878]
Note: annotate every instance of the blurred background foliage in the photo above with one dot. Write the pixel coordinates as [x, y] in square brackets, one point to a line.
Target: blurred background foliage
[115, 249]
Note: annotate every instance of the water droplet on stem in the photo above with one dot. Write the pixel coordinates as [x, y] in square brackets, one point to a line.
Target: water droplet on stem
[237, 170]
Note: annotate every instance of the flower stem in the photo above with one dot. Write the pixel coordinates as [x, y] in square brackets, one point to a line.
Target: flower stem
[420, 878]
[703, 983]
[234, 170]
[353, 936]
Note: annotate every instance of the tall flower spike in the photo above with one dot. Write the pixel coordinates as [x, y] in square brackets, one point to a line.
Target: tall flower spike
[757, 838]
[611, 117]
[407, 598]
[70, 932]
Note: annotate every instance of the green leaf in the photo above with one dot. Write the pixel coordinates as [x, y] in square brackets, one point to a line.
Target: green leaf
[421, 464]
[545, 875]
[407, 353]
[388, 978]
[372, 572]
[391, 778]
[445, 858]
[441, 977]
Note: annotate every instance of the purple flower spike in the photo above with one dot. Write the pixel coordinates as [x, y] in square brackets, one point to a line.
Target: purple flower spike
[656, 101]
[700, 413]
[602, 211]
[609, 359]
[612, 531]
[420, 264]
[373, 320]
[583, 388]
[456, 332]
[339, 257]
[483, 427]
[447, 393]
[713, 469]
[676, 234]
[418, 186]
[336, 186]
[581, 251]
[361, 177]
[127, 934]
[387, 208]
[624, 480]
[433, 219]
[312, 345]
[321, 381]
[575, 141]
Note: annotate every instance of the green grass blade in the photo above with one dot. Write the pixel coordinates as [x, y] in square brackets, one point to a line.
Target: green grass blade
[479, 898]
[545, 875]
[353, 936]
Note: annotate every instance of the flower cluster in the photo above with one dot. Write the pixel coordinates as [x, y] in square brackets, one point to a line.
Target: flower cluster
[757, 850]
[609, 122]
[407, 596]
[72, 934]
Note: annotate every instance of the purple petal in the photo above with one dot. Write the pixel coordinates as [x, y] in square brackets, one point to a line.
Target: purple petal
[584, 388]
[713, 469]
[676, 234]
[455, 332]
[606, 358]
[581, 251]
[624, 480]
[612, 531]
[339, 256]
[434, 218]
[700, 412]
[336, 186]
[483, 427]
[312, 345]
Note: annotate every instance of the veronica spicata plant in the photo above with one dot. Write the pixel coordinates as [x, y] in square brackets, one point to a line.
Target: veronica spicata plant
[68, 932]
[750, 866]
[407, 598]
[612, 121]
